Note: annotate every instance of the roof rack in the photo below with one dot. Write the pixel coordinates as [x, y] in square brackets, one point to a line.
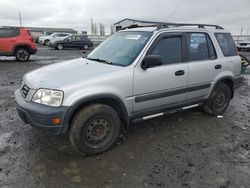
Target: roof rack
[168, 25]
[163, 25]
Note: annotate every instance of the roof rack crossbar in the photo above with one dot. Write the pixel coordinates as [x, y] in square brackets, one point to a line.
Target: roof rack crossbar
[188, 24]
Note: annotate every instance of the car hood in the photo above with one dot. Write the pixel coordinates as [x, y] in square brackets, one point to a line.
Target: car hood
[64, 74]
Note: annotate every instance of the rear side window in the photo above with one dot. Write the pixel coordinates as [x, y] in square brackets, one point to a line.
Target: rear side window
[170, 49]
[63, 35]
[8, 33]
[200, 47]
[227, 44]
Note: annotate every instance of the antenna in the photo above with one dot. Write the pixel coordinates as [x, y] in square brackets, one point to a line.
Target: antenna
[171, 14]
[20, 19]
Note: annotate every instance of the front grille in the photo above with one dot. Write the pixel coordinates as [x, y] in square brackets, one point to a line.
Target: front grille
[25, 90]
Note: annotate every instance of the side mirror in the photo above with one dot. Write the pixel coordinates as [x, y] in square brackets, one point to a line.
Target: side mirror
[151, 61]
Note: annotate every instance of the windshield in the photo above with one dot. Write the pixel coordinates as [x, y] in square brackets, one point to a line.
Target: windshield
[121, 48]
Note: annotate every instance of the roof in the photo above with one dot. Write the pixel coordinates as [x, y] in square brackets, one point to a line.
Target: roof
[48, 29]
[141, 21]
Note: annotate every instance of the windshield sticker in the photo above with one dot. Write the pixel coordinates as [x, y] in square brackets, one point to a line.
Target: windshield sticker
[132, 37]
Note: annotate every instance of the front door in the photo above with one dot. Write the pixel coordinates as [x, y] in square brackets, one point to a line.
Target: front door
[165, 85]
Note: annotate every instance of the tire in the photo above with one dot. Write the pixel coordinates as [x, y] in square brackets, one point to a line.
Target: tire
[60, 46]
[22, 54]
[46, 43]
[94, 129]
[85, 46]
[219, 100]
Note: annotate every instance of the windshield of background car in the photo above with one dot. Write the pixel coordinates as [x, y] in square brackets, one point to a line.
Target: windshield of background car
[121, 48]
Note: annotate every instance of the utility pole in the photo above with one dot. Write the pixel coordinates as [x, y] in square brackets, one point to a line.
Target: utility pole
[20, 19]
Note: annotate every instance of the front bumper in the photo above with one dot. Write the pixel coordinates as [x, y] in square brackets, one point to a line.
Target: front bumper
[40, 116]
[238, 80]
[244, 47]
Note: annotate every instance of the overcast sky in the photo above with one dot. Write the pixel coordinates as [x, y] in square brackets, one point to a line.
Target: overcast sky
[76, 14]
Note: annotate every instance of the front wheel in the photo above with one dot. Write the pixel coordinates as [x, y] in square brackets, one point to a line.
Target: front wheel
[219, 100]
[22, 54]
[46, 42]
[59, 46]
[94, 129]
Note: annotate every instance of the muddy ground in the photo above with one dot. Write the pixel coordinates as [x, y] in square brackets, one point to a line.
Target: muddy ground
[188, 149]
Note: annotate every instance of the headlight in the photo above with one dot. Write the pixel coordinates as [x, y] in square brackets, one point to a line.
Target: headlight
[48, 97]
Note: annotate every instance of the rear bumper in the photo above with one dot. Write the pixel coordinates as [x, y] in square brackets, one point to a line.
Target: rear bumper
[238, 81]
[40, 116]
[33, 50]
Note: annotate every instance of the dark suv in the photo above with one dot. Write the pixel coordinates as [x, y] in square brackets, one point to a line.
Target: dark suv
[77, 41]
[16, 42]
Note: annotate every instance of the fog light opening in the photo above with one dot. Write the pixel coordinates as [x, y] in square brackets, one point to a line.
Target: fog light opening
[56, 121]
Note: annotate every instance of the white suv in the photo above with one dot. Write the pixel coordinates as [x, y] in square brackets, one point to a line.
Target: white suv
[46, 40]
[134, 75]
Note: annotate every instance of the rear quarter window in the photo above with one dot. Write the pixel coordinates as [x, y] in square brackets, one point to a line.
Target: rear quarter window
[227, 44]
[8, 33]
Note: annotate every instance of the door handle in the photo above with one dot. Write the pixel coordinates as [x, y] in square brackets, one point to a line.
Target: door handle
[218, 66]
[12, 40]
[179, 73]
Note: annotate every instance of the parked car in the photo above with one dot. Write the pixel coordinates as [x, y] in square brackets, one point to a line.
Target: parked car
[244, 45]
[78, 41]
[45, 40]
[135, 75]
[16, 42]
[54, 40]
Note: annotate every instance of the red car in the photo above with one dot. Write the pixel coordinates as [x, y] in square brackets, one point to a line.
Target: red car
[16, 42]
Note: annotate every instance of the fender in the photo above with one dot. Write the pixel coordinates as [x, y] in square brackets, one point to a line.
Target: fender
[220, 80]
[20, 45]
[76, 105]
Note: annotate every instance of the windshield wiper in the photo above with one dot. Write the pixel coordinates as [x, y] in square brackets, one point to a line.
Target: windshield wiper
[99, 60]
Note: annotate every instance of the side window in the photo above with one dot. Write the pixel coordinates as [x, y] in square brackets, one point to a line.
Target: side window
[70, 38]
[64, 35]
[78, 38]
[227, 44]
[170, 49]
[8, 33]
[200, 47]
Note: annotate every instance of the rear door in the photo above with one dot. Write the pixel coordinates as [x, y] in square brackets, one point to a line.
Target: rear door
[203, 64]
[231, 60]
[161, 86]
[8, 38]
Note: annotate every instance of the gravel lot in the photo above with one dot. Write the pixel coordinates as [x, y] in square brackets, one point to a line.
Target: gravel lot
[188, 149]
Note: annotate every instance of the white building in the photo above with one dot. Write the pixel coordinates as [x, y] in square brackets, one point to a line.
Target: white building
[131, 23]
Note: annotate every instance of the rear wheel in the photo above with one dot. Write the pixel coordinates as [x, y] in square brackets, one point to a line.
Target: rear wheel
[219, 100]
[94, 129]
[85, 46]
[22, 54]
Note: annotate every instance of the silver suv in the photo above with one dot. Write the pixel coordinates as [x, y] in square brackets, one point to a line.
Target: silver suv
[135, 75]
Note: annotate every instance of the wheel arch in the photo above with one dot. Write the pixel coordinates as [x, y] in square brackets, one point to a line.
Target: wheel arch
[108, 99]
[229, 81]
[27, 46]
